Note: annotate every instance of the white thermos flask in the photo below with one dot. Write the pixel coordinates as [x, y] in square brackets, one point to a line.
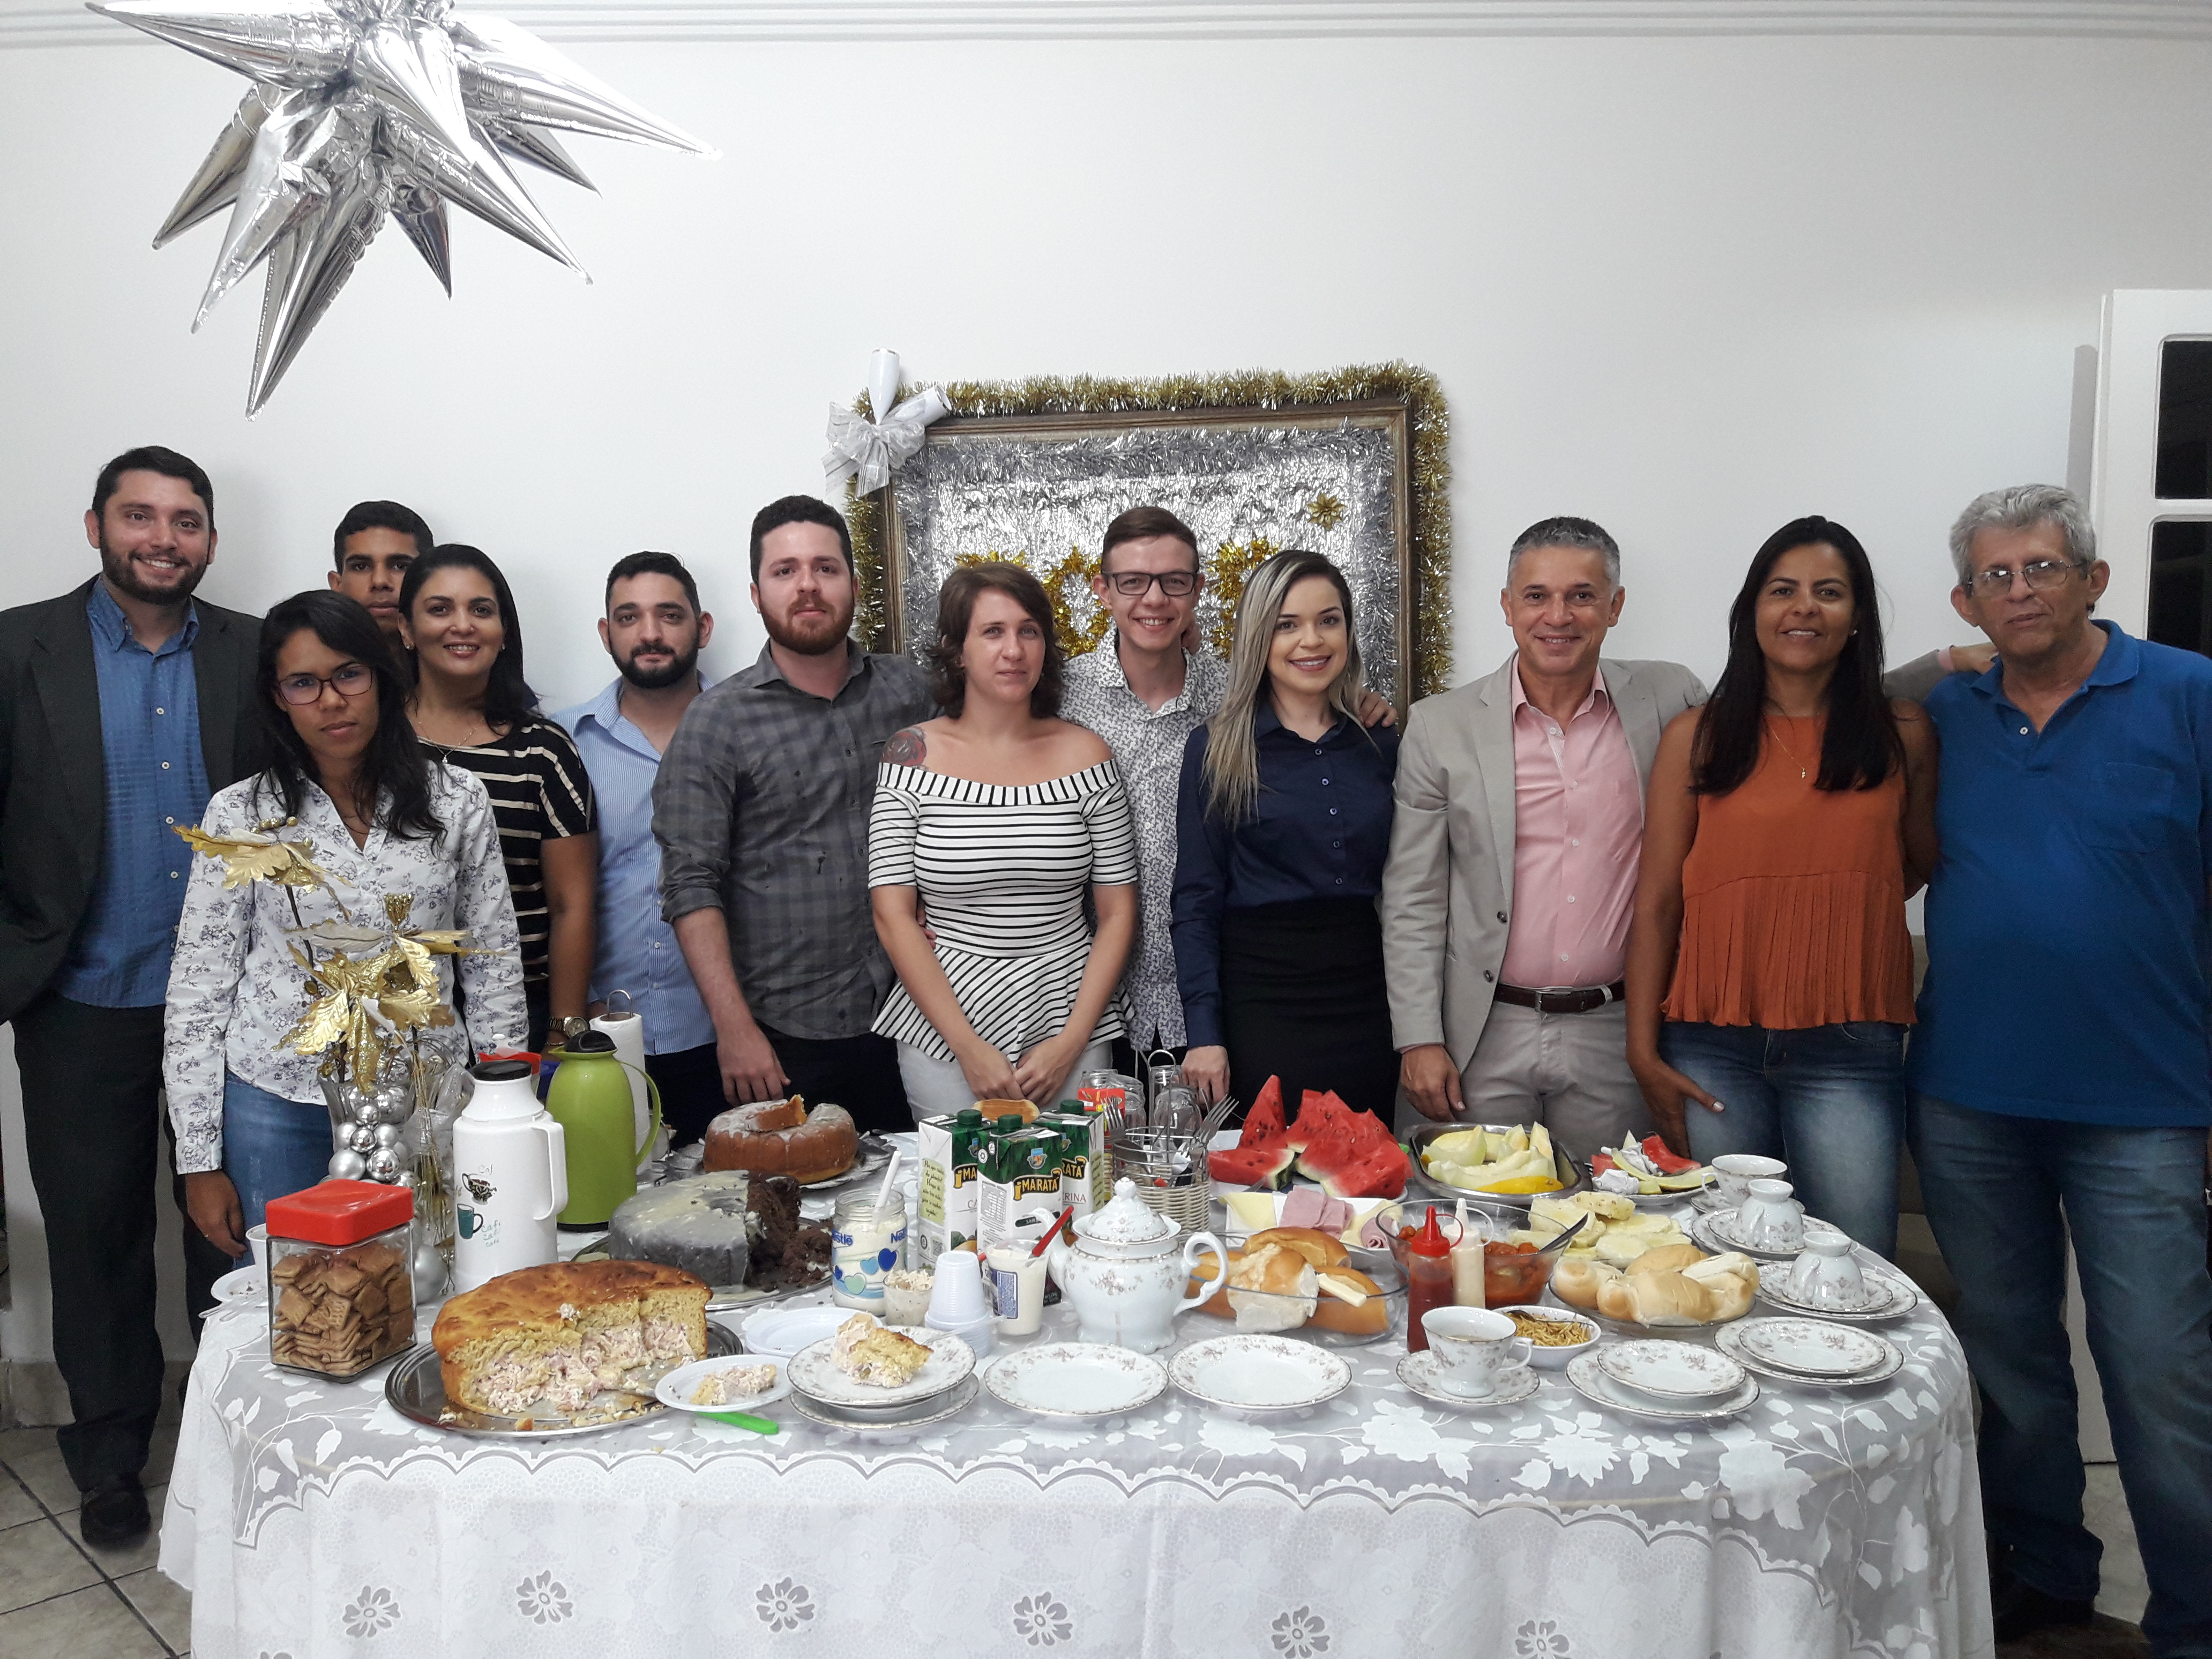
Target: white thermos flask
[627, 1028]
[511, 1177]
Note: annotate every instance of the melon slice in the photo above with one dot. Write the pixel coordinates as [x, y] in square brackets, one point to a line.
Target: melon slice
[1264, 1125]
[1248, 1166]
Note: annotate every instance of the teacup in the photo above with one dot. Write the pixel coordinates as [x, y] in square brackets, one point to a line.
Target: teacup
[1769, 1220]
[1827, 1275]
[1734, 1172]
[1476, 1350]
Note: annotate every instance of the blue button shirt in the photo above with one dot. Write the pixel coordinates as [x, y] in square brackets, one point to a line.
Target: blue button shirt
[156, 778]
[637, 951]
[1321, 829]
[2066, 917]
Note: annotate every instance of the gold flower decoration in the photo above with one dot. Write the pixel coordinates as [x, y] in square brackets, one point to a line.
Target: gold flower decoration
[1326, 510]
[262, 855]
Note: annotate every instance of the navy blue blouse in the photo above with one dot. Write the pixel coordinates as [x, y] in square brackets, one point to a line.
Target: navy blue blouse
[1321, 829]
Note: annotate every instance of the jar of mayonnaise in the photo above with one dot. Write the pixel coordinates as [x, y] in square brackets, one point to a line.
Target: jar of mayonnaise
[866, 1240]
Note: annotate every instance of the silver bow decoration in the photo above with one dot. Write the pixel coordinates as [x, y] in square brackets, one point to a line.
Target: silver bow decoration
[869, 451]
[365, 109]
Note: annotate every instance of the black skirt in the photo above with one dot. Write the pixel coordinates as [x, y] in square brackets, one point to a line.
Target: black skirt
[1303, 998]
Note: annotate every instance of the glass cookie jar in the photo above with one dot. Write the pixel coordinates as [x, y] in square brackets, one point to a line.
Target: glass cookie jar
[340, 1296]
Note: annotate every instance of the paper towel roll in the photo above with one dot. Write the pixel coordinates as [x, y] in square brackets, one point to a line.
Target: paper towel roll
[628, 1032]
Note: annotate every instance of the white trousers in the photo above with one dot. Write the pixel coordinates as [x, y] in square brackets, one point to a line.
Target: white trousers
[936, 1087]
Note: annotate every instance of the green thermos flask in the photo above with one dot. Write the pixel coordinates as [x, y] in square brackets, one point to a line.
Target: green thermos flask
[590, 1098]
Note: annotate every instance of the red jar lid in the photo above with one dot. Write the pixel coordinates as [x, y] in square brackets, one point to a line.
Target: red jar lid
[340, 1211]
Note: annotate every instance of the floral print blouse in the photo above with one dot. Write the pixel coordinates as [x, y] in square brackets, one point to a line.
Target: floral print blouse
[235, 990]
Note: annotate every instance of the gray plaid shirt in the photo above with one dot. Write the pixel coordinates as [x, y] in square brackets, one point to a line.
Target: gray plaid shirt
[761, 809]
[1147, 746]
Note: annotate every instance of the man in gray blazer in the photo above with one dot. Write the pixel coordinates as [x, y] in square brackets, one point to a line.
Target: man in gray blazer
[1506, 903]
[124, 705]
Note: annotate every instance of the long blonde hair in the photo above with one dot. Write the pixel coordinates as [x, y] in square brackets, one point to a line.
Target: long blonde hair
[1232, 758]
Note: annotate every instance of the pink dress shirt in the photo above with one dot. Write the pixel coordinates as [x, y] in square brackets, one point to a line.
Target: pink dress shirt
[1578, 830]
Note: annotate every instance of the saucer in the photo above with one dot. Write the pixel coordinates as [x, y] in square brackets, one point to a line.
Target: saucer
[1588, 1379]
[1716, 1232]
[1253, 1372]
[1076, 1380]
[1422, 1373]
[241, 1285]
[1895, 1297]
[1673, 1374]
[1810, 1347]
[951, 1404]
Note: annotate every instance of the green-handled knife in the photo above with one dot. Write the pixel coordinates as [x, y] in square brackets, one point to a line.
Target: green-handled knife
[740, 1420]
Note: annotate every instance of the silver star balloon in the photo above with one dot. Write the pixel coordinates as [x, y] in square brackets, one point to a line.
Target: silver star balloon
[364, 110]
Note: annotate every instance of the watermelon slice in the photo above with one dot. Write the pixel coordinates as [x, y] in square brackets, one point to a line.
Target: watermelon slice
[1664, 1159]
[1377, 1175]
[1264, 1125]
[1351, 1153]
[1249, 1166]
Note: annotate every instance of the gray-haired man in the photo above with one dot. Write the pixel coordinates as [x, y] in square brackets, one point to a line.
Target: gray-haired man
[1506, 903]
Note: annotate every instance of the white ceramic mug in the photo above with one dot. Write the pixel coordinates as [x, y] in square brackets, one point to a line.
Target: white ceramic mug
[1018, 1283]
[1476, 1350]
[1771, 1220]
[1735, 1171]
[1827, 1275]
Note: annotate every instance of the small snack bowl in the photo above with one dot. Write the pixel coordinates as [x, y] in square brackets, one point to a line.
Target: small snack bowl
[1552, 1356]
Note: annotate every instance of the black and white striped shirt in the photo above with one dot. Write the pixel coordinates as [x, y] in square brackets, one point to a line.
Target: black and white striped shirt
[1002, 870]
[539, 791]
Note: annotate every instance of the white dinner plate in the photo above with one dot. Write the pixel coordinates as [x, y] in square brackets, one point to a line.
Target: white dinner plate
[930, 1410]
[1896, 1297]
[1076, 1380]
[1588, 1379]
[1812, 1348]
[1422, 1373]
[784, 1331]
[1255, 1373]
[241, 1285]
[816, 1376]
[1674, 1373]
[1716, 1232]
[1888, 1366]
[675, 1389]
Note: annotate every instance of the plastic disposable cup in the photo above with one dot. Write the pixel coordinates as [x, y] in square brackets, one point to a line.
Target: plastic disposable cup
[1018, 1280]
[956, 1297]
[256, 1244]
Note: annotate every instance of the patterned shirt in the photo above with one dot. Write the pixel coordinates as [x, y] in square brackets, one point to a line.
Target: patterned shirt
[761, 809]
[235, 989]
[1148, 745]
[156, 778]
[539, 791]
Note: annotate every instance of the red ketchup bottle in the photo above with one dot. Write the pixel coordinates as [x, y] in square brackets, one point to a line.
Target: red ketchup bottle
[1428, 1279]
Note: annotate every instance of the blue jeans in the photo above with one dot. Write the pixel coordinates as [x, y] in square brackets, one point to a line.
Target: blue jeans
[2003, 1195]
[271, 1147]
[1829, 1101]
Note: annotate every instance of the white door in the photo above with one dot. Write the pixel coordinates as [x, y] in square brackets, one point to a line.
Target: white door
[2151, 485]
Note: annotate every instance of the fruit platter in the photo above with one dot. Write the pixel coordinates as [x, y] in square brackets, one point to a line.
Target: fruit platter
[1510, 1164]
[1647, 1172]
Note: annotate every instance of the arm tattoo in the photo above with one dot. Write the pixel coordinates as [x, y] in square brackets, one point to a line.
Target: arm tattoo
[906, 748]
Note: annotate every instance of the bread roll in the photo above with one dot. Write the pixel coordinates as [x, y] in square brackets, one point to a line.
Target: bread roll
[1578, 1280]
[1665, 1297]
[1286, 1291]
[1350, 1302]
[1668, 1258]
[1730, 1280]
[1321, 1249]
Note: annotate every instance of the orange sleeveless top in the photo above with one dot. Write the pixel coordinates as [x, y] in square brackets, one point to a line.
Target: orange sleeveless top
[1793, 897]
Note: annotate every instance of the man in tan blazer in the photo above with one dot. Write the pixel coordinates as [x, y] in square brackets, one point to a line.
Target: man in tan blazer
[1506, 903]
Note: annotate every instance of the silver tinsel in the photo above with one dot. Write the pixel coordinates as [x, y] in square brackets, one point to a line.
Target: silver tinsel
[1049, 499]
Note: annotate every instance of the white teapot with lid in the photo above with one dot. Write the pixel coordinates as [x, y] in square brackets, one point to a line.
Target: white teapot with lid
[1124, 1276]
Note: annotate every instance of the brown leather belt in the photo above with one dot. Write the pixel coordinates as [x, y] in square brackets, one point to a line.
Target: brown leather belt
[1580, 1000]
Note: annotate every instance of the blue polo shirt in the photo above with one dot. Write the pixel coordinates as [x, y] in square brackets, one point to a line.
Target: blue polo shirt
[2066, 917]
[637, 951]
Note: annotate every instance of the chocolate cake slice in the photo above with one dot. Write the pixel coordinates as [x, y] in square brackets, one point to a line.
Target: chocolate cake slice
[788, 1253]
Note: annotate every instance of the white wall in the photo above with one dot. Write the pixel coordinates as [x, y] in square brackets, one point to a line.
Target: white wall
[1692, 287]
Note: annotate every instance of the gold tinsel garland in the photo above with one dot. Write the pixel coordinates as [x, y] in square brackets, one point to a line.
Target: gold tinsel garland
[1428, 466]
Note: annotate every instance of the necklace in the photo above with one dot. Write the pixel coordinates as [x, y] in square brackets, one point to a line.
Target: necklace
[1784, 721]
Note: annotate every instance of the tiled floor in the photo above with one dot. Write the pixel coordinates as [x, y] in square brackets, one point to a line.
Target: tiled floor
[59, 1597]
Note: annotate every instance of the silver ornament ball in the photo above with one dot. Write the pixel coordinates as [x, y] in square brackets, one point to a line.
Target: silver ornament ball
[384, 1165]
[362, 1139]
[346, 1166]
[387, 1134]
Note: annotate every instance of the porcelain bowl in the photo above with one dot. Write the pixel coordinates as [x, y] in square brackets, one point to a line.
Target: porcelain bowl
[1546, 1357]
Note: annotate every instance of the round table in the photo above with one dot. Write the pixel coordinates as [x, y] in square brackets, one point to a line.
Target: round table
[307, 1518]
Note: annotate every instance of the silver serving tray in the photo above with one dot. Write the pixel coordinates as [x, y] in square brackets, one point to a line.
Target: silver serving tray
[1572, 1178]
[416, 1389]
[868, 1161]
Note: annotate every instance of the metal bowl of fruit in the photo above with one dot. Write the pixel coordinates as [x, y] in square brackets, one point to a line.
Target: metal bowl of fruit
[1496, 1163]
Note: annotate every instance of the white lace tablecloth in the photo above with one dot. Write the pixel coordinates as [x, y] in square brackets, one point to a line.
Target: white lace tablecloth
[309, 1518]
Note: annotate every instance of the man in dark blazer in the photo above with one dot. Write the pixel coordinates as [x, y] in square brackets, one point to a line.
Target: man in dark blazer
[124, 705]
